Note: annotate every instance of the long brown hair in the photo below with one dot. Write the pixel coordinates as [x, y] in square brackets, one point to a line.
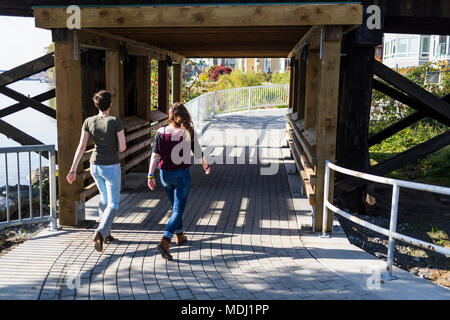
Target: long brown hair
[179, 117]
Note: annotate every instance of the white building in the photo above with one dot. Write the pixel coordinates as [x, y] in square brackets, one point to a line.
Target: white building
[409, 50]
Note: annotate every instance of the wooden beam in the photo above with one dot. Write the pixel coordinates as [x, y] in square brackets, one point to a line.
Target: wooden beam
[115, 82]
[301, 88]
[394, 128]
[327, 116]
[415, 91]
[143, 87]
[295, 86]
[20, 106]
[163, 86]
[410, 101]
[350, 184]
[36, 105]
[355, 98]
[21, 137]
[156, 51]
[411, 155]
[177, 82]
[27, 69]
[205, 16]
[134, 162]
[68, 116]
[311, 38]
[291, 85]
[312, 88]
[95, 41]
[143, 100]
[303, 142]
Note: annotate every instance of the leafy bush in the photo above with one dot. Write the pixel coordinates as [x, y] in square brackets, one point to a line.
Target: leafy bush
[219, 70]
[281, 78]
[385, 108]
[239, 79]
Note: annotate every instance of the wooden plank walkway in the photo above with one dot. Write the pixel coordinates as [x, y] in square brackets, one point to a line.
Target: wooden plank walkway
[244, 243]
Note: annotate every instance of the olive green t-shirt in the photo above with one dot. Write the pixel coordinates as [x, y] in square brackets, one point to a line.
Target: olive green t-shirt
[103, 129]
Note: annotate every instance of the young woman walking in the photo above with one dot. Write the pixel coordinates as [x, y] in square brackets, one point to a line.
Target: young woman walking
[109, 138]
[171, 151]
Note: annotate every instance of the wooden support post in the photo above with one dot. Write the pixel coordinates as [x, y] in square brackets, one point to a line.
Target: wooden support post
[301, 85]
[177, 82]
[143, 71]
[291, 85]
[312, 88]
[115, 82]
[69, 120]
[295, 87]
[163, 86]
[327, 116]
[354, 113]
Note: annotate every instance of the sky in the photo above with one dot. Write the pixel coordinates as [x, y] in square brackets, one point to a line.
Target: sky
[21, 41]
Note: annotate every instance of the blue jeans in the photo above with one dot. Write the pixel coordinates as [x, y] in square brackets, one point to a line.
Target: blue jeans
[108, 179]
[176, 184]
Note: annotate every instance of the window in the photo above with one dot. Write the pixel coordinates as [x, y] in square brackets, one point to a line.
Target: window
[402, 45]
[425, 48]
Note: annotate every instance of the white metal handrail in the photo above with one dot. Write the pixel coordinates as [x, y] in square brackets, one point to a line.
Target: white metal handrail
[21, 220]
[208, 105]
[391, 233]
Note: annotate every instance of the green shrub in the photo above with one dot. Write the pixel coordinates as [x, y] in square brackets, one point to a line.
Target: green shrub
[239, 79]
[281, 78]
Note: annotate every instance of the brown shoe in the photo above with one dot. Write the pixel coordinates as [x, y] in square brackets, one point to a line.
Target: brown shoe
[181, 238]
[163, 248]
[109, 239]
[98, 239]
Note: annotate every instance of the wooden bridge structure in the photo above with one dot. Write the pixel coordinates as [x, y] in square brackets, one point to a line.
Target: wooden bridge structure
[332, 76]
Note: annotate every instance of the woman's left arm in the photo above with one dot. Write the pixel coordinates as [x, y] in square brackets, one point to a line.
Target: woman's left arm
[72, 175]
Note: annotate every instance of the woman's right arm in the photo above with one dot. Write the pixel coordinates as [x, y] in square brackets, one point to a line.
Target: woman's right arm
[72, 175]
[151, 171]
[122, 140]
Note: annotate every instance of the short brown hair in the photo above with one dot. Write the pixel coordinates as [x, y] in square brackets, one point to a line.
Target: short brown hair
[102, 100]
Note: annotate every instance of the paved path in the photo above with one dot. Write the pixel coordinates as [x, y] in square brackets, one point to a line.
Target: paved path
[245, 242]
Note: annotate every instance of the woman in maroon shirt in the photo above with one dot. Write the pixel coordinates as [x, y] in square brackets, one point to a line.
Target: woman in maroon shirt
[171, 151]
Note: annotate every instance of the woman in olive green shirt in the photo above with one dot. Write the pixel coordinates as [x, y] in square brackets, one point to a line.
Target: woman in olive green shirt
[109, 138]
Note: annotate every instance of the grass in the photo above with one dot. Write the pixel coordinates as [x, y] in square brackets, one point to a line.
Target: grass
[432, 169]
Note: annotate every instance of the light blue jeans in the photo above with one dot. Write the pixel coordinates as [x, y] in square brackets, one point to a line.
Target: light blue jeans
[108, 179]
[176, 184]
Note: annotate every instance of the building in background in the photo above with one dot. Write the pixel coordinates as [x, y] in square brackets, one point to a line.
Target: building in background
[268, 65]
[409, 50]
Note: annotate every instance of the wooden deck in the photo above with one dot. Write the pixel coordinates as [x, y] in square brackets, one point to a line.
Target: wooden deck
[245, 242]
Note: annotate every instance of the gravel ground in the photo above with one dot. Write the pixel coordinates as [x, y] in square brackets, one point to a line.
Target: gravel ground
[424, 263]
[13, 236]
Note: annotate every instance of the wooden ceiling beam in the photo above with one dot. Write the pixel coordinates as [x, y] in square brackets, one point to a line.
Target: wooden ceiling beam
[204, 16]
[153, 50]
[311, 38]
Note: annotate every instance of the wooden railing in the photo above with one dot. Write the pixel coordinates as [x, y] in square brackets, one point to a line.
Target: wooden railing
[22, 101]
[139, 135]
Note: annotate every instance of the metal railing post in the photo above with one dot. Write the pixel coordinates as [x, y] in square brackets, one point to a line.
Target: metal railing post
[392, 228]
[325, 201]
[214, 104]
[52, 178]
[249, 98]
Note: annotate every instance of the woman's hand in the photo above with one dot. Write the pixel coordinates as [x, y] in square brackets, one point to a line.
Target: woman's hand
[71, 177]
[206, 167]
[151, 183]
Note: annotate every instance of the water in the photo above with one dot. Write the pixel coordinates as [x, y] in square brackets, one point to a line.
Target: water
[32, 122]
